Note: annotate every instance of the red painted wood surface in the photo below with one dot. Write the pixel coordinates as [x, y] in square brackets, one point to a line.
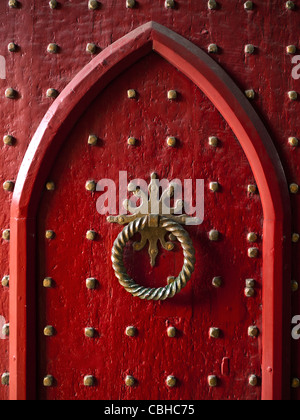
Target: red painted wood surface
[42, 152]
[151, 356]
[33, 28]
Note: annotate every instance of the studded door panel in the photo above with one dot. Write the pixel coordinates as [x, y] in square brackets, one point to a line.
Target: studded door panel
[68, 359]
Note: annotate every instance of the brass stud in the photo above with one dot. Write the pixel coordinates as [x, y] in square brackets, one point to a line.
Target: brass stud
[295, 238]
[214, 332]
[217, 282]
[5, 379]
[130, 4]
[90, 185]
[212, 4]
[214, 235]
[249, 292]
[48, 283]
[12, 47]
[89, 332]
[50, 186]
[291, 49]
[253, 380]
[131, 331]
[249, 49]
[252, 189]
[171, 332]
[132, 94]
[171, 141]
[5, 281]
[91, 283]
[49, 331]
[248, 5]
[6, 234]
[50, 234]
[214, 186]
[252, 237]
[212, 381]
[293, 96]
[170, 247]
[13, 4]
[253, 252]
[171, 381]
[131, 141]
[293, 141]
[295, 383]
[11, 93]
[250, 283]
[52, 48]
[290, 5]
[8, 186]
[92, 140]
[294, 188]
[250, 94]
[213, 141]
[5, 330]
[8, 140]
[52, 93]
[130, 381]
[91, 48]
[170, 4]
[172, 95]
[91, 235]
[48, 381]
[53, 4]
[295, 286]
[89, 381]
[93, 5]
[253, 331]
[213, 49]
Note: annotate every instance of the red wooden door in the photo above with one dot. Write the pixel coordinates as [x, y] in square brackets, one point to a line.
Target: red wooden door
[151, 356]
[227, 345]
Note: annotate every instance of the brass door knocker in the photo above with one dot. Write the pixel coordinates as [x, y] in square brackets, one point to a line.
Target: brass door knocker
[153, 228]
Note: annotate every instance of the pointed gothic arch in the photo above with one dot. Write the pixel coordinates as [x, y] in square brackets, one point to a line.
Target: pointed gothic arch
[260, 152]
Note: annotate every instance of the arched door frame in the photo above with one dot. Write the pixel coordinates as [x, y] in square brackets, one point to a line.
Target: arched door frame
[260, 152]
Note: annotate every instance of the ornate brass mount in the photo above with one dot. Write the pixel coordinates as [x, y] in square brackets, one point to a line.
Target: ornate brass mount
[153, 232]
[153, 227]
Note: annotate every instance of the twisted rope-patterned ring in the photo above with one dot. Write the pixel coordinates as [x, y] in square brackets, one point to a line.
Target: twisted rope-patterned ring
[161, 293]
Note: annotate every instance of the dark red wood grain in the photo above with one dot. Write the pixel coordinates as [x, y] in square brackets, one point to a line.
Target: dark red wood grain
[31, 71]
[151, 356]
[264, 160]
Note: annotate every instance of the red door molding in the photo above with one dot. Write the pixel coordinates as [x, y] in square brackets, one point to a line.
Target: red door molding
[257, 145]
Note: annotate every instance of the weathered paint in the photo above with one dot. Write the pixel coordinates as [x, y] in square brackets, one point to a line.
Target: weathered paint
[52, 131]
[21, 117]
[151, 356]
